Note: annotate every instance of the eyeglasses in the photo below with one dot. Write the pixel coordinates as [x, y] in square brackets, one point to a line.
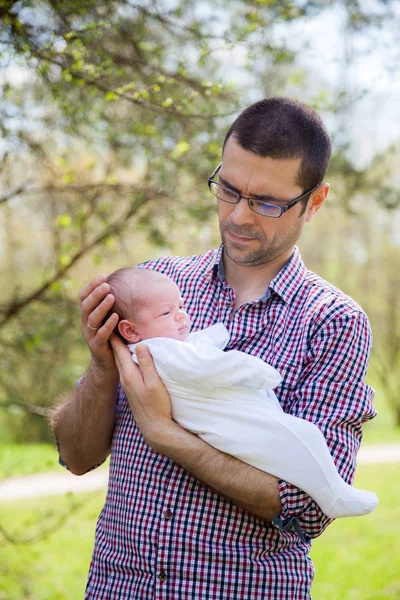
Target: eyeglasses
[266, 209]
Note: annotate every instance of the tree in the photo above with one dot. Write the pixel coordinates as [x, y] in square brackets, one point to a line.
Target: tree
[112, 119]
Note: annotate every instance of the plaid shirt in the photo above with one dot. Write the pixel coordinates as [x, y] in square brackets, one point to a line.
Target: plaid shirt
[162, 535]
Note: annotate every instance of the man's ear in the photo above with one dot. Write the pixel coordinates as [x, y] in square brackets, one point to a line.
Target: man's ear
[316, 200]
[128, 331]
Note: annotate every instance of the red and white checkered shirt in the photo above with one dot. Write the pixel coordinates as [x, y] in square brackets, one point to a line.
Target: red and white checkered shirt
[162, 535]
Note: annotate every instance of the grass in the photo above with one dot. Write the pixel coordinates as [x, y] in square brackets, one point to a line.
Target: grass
[54, 567]
[26, 459]
[358, 559]
[382, 429]
[355, 559]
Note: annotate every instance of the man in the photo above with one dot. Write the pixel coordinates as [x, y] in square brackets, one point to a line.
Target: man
[183, 520]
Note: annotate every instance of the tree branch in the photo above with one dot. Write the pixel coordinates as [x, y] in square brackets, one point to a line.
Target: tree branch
[30, 408]
[114, 228]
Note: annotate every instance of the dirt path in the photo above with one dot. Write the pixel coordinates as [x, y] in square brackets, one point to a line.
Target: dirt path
[53, 484]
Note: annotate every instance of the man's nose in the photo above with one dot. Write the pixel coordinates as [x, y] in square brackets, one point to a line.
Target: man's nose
[241, 212]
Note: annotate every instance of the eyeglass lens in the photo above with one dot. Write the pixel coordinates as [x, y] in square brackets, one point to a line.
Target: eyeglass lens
[227, 195]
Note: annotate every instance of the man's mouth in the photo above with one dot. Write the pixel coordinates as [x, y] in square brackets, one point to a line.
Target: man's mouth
[239, 238]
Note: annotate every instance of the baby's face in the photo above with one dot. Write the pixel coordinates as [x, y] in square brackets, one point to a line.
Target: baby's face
[163, 315]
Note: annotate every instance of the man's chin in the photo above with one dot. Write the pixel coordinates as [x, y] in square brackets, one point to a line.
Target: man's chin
[241, 256]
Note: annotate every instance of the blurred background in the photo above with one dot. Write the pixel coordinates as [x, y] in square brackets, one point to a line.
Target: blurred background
[112, 117]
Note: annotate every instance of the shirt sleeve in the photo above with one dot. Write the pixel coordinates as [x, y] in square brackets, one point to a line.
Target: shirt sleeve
[332, 394]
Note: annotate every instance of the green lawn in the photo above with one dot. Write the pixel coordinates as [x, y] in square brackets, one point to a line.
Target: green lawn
[25, 459]
[54, 567]
[359, 558]
[382, 429]
[355, 559]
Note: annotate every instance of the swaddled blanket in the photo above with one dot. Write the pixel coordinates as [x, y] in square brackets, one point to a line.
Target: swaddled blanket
[227, 399]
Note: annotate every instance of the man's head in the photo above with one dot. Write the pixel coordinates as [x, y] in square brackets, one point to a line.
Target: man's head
[148, 304]
[276, 150]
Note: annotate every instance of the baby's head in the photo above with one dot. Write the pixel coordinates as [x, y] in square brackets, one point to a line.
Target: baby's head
[148, 304]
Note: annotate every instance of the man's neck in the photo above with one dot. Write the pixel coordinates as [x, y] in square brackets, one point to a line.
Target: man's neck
[253, 281]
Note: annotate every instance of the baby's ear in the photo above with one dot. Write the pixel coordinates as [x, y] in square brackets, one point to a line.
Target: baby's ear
[128, 331]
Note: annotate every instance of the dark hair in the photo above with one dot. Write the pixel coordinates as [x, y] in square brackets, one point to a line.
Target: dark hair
[283, 128]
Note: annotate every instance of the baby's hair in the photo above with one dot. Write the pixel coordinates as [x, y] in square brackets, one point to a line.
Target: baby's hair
[130, 287]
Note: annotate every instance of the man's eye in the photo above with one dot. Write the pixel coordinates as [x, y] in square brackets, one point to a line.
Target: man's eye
[227, 193]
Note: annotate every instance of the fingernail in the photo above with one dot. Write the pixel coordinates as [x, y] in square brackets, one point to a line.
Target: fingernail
[100, 278]
[140, 350]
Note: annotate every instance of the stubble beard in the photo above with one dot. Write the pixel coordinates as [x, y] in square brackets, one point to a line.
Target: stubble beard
[266, 251]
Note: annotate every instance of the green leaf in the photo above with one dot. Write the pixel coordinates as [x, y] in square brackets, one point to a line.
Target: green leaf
[64, 221]
[64, 260]
[181, 148]
[111, 96]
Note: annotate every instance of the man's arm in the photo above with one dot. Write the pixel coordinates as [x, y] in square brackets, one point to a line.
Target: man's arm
[333, 395]
[248, 487]
[83, 422]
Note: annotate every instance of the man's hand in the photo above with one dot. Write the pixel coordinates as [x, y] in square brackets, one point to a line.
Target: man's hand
[96, 301]
[147, 395]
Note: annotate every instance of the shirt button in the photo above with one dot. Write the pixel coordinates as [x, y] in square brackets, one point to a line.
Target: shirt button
[229, 303]
[162, 576]
[168, 515]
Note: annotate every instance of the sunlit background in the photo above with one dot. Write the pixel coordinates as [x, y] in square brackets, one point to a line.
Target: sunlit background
[112, 116]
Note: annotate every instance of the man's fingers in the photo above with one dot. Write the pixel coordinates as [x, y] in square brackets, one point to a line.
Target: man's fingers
[123, 359]
[88, 289]
[103, 333]
[117, 345]
[146, 364]
[93, 302]
[97, 316]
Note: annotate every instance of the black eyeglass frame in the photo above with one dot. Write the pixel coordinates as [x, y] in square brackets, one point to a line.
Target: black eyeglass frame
[283, 209]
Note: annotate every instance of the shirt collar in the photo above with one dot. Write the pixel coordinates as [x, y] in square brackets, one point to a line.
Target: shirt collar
[290, 278]
[215, 266]
[285, 284]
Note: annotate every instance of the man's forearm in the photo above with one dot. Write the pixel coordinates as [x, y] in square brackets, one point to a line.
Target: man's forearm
[245, 485]
[83, 422]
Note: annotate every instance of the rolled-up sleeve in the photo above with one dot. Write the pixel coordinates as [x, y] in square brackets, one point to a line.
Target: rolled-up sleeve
[332, 394]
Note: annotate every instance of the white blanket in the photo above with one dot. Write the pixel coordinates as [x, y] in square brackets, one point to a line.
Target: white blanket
[226, 399]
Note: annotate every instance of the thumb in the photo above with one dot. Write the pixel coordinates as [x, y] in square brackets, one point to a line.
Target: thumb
[117, 346]
[144, 356]
[146, 364]
[122, 357]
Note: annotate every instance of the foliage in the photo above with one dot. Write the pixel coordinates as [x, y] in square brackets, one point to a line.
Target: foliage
[112, 115]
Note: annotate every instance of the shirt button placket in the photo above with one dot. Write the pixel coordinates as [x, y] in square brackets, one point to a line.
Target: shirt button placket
[162, 554]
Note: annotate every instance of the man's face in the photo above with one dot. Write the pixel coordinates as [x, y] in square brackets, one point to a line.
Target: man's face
[251, 239]
[163, 314]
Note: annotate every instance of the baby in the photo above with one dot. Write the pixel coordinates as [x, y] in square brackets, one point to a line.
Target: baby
[227, 398]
